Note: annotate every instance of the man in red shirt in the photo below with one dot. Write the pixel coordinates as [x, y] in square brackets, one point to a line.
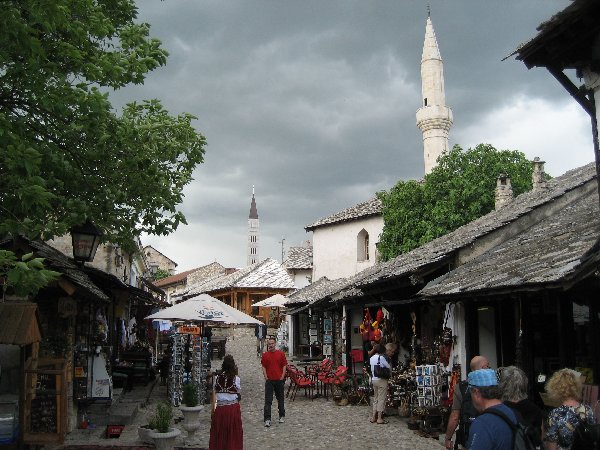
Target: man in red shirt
[274, 365]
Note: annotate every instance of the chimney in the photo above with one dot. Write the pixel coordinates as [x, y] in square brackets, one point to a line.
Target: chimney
[539, 176]
[504, 193]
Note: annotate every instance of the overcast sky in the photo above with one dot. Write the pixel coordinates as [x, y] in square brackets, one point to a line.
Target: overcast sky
[313, 103]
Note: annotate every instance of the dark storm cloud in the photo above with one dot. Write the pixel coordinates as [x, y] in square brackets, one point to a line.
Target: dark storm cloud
[314, 103]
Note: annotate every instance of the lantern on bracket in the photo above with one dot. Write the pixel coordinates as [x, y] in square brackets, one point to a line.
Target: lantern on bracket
[86, 238]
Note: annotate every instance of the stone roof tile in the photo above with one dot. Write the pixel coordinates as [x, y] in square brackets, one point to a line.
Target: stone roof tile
[371, 207]
[267, 274]
[551, 251]
[299, 258]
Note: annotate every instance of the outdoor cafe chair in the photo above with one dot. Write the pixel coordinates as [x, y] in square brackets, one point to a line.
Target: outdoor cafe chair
[288, 376]
[298, 380]
[335, 379]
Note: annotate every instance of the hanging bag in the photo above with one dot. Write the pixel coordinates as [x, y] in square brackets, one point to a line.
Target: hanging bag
[381, 372]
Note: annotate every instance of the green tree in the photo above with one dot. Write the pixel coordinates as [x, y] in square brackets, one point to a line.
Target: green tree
[159, 274]
[65, 153]
[459, 189]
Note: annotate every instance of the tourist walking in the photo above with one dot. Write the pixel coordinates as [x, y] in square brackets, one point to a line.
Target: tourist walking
[226, 432]
[513, 385]
[274, 364]
[463, 412]
[565, 386]
[380, 380]
[260, 331]
[489, 430]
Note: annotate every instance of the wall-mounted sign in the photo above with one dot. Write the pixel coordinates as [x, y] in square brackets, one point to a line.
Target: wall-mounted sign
[67, 307]
[188, 329]
[79, 372]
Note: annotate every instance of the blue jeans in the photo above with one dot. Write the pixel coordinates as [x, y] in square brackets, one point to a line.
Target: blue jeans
[270, 387]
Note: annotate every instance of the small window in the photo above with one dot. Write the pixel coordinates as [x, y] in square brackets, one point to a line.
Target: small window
[362, 246]
[425, 102]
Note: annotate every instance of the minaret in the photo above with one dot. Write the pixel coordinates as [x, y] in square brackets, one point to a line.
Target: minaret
[434, 118]
[252, 232]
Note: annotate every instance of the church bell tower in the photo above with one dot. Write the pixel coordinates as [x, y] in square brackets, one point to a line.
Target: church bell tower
[252, 232]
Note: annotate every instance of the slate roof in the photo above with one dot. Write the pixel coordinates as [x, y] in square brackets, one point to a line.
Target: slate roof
[552, 251]
[564, 39]
[444, 247]
[266, 274]
[371, 207]
[58, 261]
[299, 258]
[315, 292]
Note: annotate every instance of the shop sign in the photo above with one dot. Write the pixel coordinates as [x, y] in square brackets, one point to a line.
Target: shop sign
[188, 329]
[79, 373]
[67, 307]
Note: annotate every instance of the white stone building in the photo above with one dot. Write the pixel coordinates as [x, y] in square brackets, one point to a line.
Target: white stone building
[299, 264]
[345, 243]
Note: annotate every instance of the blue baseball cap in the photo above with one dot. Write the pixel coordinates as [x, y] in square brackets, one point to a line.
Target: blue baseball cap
[482, 377]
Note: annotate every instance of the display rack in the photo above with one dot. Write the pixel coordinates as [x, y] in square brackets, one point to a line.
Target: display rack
[45, 408]
[190, 362]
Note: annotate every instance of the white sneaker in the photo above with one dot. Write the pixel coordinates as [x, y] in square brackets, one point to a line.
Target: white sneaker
[281, 419]
[267, 423]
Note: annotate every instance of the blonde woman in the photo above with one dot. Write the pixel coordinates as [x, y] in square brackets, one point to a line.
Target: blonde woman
[565, 386]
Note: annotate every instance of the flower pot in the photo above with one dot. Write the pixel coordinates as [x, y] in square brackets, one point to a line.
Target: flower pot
[165, 441]
[191, 418]
[144, 434]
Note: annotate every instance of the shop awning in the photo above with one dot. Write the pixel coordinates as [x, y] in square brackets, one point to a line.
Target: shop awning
[19, 324]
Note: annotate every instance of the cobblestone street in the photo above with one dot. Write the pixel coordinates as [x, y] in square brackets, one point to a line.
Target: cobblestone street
[309, 424]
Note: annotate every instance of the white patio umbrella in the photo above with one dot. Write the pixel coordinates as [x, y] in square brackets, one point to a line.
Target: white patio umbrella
[203, 307]
[277, 300]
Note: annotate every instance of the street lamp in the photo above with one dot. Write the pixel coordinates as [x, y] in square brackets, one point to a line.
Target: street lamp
[86, 238]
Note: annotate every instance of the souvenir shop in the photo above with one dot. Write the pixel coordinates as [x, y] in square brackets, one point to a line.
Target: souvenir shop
[318, 334]
[423, 369]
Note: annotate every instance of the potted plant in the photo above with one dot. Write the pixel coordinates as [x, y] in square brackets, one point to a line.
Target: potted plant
[164, 435]
[144, 431]
[190, 408]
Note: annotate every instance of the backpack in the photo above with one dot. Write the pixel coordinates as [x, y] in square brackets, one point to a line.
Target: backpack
[467, 414]
[524, 437]
[586, 435]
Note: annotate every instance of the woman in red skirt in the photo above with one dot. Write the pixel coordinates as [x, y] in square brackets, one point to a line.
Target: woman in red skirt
[226, 432]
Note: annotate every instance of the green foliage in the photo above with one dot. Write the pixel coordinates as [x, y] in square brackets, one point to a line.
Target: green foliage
[65, 154]
[458, 190]
[163, 417]
[160, 274]
[23, 276]
[190, 394]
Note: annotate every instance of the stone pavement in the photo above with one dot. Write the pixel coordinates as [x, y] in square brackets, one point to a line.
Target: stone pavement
[310, 424]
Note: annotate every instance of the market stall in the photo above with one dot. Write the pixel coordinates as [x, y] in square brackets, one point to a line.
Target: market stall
[423, 376]
[189, 347]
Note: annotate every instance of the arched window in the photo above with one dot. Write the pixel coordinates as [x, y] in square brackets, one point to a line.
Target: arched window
[362, 246]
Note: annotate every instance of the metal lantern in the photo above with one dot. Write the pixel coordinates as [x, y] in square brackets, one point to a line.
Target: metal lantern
[86, 238]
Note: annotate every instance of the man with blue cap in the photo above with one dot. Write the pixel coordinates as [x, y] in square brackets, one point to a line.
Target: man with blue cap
[488, 431]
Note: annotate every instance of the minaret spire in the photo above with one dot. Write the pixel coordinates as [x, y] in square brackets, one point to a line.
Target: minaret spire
[434, 118]
[253, 226]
